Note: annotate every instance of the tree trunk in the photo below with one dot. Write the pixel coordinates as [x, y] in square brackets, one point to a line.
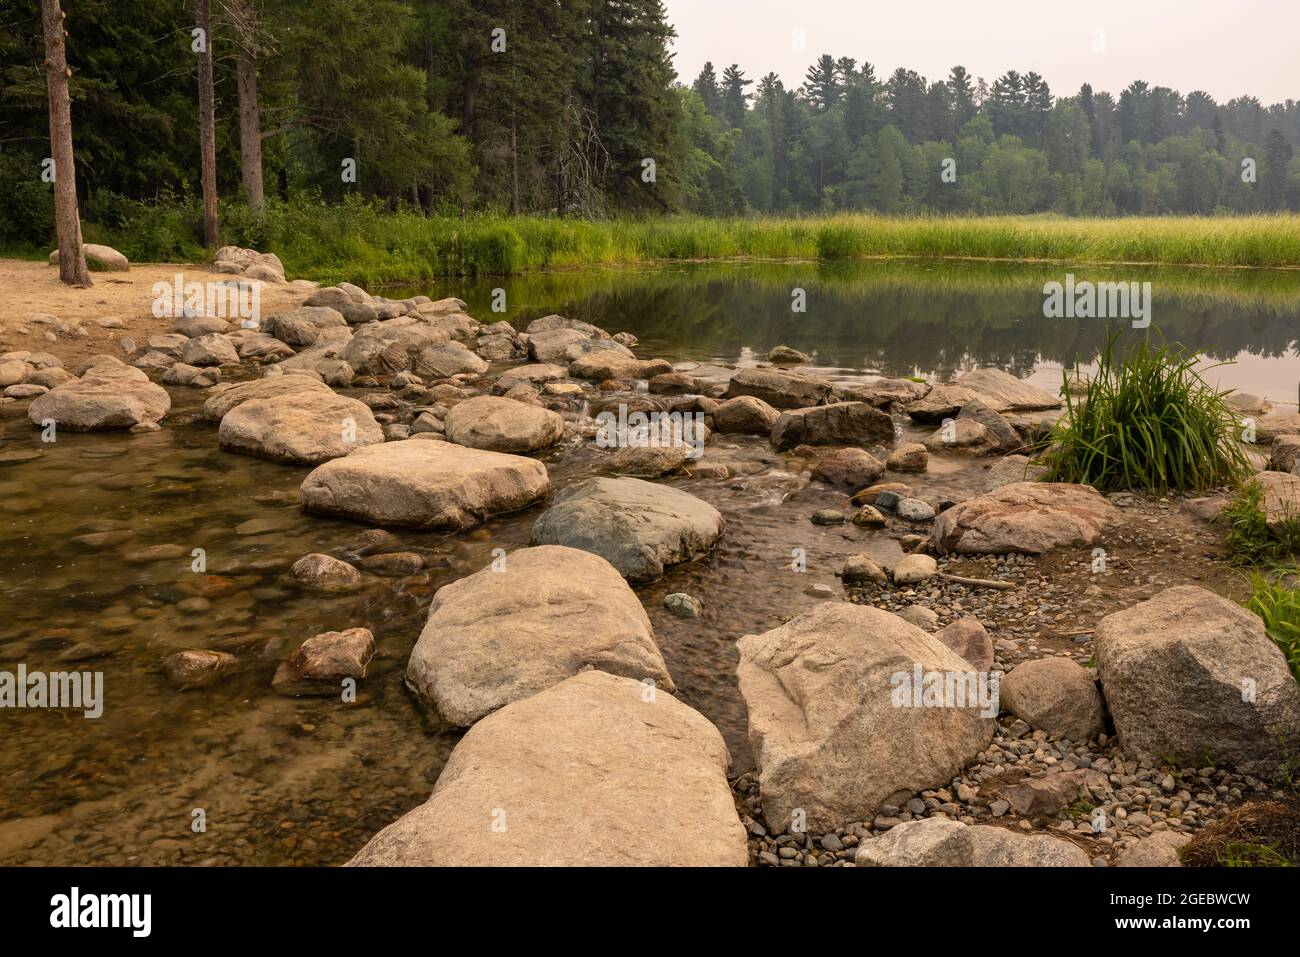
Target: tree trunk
[250, 121]
[207, 125]
[67, 222]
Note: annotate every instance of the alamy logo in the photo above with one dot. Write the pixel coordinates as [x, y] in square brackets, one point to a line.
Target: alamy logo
[221, 299]
[79, 690]
[919, 688]
[1098, 300]
[641, 430]
[74, 909]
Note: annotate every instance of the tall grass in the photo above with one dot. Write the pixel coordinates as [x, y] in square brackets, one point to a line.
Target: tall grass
[1148, 421]
[360, 241]
[1278, 605]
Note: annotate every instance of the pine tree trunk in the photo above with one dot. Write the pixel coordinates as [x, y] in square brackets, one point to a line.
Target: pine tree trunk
[250, 121]
[67, 222]
[207, 125]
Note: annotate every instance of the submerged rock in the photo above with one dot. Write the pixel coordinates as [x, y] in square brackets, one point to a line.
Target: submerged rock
[195, 668]
[595, 771]
[524, 624]
[320, 664]
[323, 573]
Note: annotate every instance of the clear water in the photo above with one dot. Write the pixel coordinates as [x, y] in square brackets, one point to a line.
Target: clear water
[308, 781]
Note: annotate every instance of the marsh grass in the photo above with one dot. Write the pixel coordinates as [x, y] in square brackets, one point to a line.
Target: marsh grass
[362, 242]
[1148, 422]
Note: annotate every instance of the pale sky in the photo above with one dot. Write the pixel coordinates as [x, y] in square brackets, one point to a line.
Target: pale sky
[1225, 47]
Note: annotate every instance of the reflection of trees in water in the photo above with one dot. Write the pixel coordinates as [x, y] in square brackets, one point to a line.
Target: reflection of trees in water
[896, 317]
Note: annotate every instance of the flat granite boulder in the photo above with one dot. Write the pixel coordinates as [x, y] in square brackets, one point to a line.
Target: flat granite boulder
[227, 396]
[940, 842]
[638, 527]
[838, 723]
[503, 425]
[95, 403]
[301, 428]
[840, 423]
[433, 485]
[998, 390]
[595, 771]
[525, 623]
[1028, 517]
[781, 389]
[1190, 676]
[603, 365]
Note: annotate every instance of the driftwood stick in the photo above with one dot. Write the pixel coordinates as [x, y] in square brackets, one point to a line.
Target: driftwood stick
[978, 582]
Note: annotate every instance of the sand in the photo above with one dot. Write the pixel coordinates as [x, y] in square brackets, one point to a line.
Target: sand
[31, 289]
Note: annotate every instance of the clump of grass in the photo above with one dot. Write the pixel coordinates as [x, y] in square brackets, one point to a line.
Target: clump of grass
[1148, 422]
[1259, 834]
[1278, 606]
[1250, 540]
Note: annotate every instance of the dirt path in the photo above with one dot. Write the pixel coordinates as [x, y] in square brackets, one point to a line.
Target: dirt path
[119, 305]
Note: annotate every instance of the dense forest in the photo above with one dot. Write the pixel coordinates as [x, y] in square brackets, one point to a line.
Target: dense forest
[574, 107]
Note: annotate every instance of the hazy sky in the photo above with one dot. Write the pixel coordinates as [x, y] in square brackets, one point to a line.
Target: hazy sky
[1225, 47]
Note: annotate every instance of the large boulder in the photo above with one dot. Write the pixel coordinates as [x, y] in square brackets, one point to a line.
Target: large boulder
[434, 485]
[212, 349]
[1028, 517]
[1055, 695]
[98, 258]
[639, 527]
[301, 428]
[552, 323]
[940, 842]
[444, 360]
[745, 414]
[553, 345]
[1281, 500]
[603, 365]
[1191, 676]
[996, 389]
[841, 423]
[381, 348]
[852, 467]
[302, 326]
[781, 389]
[94, 403]
[228, 395]
[597, 770]
[507, 632]
[502, 425]
[833, 721]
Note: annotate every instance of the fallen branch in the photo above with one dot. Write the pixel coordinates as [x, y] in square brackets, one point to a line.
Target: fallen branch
[978, 582]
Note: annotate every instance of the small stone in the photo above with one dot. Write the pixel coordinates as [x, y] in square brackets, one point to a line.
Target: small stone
[827, 516]
[915, 510]
[868, 517]
[682, 605]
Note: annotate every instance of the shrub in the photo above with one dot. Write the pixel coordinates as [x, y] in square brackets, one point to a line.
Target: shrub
[1278, 606]
[1148, 422]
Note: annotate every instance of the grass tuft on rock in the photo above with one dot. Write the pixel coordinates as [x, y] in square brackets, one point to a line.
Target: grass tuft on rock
[1148, 422]
[1250, 540]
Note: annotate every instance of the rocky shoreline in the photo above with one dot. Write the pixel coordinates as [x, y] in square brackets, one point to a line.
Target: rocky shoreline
[1122, 726]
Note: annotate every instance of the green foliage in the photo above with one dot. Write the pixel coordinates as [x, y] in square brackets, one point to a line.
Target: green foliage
[1148, 421]
[1276, 600]
[1250, 541]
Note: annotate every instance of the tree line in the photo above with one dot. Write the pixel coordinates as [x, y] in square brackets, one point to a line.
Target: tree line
[573, 107]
